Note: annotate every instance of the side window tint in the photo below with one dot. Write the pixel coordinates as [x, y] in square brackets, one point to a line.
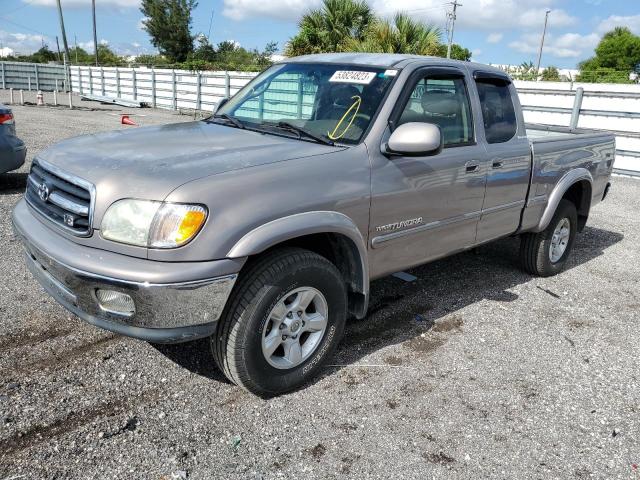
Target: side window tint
[442, 101]
[498, 114]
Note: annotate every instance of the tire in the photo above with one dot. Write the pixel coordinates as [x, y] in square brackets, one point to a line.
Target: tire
[270, 287]
[536, 248]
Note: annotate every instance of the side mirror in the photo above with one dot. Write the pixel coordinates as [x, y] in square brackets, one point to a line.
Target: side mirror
[221, 103]
[415, 139]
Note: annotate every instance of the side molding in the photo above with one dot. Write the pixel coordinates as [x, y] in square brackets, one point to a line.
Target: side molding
[564, 184]
[287, 228]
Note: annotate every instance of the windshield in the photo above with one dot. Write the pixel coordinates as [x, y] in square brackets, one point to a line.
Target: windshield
[335, 103]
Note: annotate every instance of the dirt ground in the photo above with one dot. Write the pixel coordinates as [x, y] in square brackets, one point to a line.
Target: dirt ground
[474, 370]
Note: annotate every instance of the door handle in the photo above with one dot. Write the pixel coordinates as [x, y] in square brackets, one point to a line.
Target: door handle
[497, 165]
[471, 167]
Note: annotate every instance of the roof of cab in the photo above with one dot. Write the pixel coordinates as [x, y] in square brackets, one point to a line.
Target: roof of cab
[384, 60]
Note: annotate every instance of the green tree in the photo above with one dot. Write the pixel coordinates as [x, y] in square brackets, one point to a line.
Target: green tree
[168, 22]
[402, 35]
[616, 56]
[458, 52]
[527, 71]
[263, 58]
[44, 55]
[81, 55]
[551, 74]
[152, 60]
[331, 27]
[204, 50]
[106, 56]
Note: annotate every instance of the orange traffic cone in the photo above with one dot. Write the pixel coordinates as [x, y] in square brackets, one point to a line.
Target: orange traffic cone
[125, 120]
[40, 99]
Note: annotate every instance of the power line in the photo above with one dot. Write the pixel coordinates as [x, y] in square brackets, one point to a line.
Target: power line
[451, 23]
[25, 4]
[24, 27]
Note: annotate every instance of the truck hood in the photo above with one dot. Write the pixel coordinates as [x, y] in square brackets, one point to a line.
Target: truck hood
[151, 162]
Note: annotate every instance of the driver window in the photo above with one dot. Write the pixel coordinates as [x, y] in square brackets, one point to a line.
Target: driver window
[442, 101]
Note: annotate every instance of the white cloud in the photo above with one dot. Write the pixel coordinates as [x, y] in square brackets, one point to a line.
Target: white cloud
[495, 37]
[277, 9]
[484, 15]
[6, 52]
[85, 3]
[534, 18]
[631, 21]
[23, 43]
[568, 45]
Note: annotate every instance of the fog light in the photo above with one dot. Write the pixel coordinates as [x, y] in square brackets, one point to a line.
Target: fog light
[116, 302]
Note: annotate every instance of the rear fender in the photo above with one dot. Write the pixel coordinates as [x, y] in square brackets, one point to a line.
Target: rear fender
[566, 182]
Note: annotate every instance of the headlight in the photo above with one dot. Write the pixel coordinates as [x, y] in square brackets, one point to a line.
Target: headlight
[152, 224]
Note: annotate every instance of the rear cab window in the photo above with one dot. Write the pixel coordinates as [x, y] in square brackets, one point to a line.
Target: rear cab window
[498, 111]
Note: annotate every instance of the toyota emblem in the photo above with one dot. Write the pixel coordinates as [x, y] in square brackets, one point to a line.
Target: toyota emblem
[43, 192]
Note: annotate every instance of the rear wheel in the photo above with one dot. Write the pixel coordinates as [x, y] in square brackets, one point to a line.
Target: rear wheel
[546, 253]
[284, 320]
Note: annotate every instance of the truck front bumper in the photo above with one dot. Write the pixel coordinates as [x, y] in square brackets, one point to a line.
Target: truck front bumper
[165, 312]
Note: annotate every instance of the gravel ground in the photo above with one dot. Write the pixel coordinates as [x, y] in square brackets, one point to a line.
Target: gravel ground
[474, 370]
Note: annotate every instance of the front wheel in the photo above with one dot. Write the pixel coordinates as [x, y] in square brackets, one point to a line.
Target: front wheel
[546, 253]
[285, 318]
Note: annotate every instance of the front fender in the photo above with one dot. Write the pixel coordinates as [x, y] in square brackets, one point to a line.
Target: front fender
[565, 183]
[288, 228]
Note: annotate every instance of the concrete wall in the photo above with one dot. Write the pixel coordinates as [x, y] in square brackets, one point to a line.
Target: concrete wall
[32, 76]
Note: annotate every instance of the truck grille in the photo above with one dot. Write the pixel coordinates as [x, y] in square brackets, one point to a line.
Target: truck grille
[61, 198]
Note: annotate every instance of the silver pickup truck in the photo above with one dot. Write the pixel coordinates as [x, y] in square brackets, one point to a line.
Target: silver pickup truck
[262, 226]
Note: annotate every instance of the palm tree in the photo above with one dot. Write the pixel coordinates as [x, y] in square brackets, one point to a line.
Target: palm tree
[403, 35]
[331, 27]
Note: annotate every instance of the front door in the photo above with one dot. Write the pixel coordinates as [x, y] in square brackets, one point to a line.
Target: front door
[426, 207]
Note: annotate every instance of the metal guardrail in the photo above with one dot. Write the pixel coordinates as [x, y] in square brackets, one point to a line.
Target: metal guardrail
[202, 91]
[33, 76]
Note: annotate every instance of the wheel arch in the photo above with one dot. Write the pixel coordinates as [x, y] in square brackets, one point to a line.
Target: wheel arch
[330, 234]
[576, 186]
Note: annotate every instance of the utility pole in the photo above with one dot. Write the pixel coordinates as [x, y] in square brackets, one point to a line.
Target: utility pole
[75, 41]
[64, 35]
[58, 45]
[544, 32]
[95, 35]
[451, 25]
[210, 24]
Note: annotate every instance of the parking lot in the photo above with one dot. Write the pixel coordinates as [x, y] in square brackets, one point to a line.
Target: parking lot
[474, 370]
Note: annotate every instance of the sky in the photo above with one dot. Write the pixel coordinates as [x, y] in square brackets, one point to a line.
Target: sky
[496, 31]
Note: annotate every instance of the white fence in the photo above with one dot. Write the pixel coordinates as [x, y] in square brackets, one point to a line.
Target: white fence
[613, 107]
[161, 88]
[610, 107]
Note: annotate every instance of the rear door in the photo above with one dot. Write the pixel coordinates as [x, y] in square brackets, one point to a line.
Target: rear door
[424, 207]
[508, 167]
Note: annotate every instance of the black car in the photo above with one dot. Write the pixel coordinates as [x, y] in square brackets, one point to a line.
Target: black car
[12, 150]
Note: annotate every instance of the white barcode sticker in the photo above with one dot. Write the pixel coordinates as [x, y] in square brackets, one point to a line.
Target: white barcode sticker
[351, 76]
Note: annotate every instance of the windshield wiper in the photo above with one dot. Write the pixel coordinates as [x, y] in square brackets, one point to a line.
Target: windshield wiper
[229, 118]
[302, 132]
